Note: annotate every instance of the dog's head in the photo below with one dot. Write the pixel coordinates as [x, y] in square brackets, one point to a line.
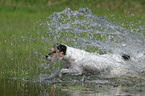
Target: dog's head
[57, 52]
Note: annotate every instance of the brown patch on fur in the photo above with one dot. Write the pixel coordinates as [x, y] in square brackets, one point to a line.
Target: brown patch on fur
[53, 49]
[60, 54]
[55, 54]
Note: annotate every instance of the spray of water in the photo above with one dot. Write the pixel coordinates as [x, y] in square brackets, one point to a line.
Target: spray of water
[81, 29]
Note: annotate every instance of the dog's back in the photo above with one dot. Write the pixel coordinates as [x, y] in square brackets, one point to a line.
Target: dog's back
[96, 63]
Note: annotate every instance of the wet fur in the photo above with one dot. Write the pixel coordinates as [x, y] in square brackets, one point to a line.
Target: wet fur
[81, 61]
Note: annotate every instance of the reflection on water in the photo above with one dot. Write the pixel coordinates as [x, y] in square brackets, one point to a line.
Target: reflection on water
[68, 88]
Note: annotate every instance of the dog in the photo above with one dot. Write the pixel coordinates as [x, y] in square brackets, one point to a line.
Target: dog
[80, 61]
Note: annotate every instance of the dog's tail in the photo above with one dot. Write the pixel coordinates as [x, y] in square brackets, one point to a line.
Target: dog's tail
[126, 57]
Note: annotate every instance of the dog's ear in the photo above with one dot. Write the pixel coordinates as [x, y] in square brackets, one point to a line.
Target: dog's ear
[62, 48]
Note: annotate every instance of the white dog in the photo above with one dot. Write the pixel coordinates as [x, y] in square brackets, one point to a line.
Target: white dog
[81, 61]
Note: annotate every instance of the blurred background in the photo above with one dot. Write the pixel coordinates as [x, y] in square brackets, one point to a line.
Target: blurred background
[115, 6]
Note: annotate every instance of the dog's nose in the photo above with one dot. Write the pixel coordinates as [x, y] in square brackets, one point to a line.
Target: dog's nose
[47, 56]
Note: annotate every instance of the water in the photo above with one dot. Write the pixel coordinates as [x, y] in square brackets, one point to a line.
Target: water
[96, 34]
[99, 35]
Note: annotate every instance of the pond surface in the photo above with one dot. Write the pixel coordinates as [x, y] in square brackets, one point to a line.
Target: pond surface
[71, 87]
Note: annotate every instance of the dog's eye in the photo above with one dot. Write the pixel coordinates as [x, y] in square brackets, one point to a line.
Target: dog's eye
[54, 51]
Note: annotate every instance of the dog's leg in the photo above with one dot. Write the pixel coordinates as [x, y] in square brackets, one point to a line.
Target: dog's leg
[71, 71]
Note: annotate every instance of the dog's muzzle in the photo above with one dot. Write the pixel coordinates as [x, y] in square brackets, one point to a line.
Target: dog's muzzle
[48, 57]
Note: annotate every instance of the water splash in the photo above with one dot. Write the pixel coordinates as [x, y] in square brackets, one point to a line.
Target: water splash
[81, 29]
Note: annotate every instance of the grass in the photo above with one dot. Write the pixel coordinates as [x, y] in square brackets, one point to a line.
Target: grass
[22, 46]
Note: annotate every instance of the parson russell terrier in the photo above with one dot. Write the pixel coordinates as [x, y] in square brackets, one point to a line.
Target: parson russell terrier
[81, 61]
